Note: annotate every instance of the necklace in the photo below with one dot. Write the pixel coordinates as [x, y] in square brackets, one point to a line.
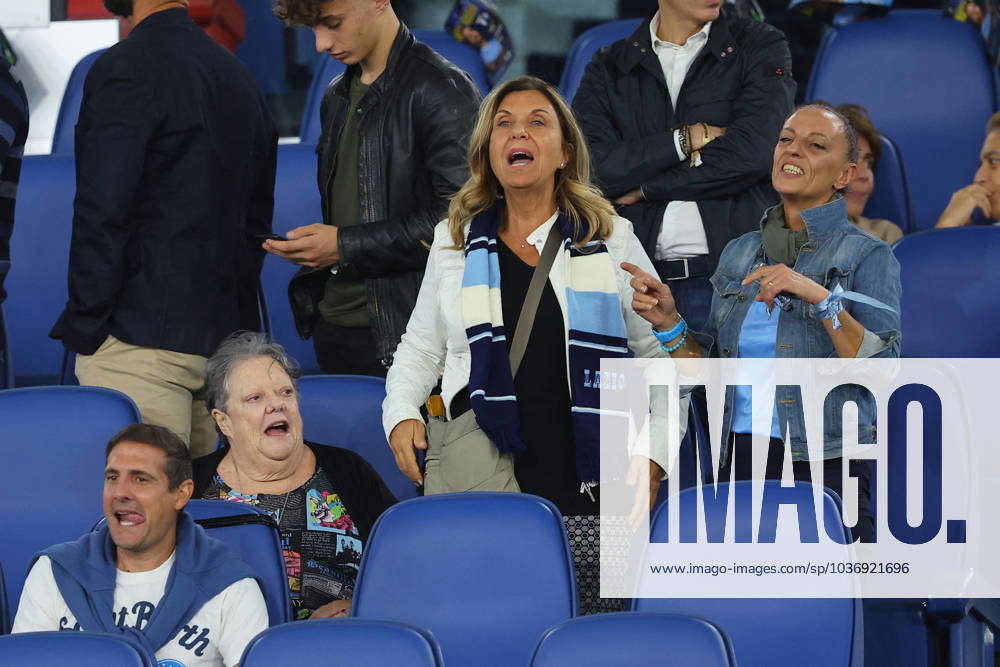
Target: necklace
[284, 505]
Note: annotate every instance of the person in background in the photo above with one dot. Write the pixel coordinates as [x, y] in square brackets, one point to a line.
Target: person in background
[860, 189]
[530, 175]
[323, 499]
[679, 117]
[150, 572]
[395, 126]
[979, 202]
[766, 306]
[175, 162]
[13, 135]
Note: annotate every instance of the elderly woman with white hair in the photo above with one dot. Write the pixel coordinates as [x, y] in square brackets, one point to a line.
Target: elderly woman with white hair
[323, 499]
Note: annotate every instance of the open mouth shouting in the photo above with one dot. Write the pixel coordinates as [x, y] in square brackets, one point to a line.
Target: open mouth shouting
[278, 428]
[519, 158]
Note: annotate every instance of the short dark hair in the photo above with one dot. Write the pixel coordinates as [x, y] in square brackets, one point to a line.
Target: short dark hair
[298, 13]
[178, 465]
[850, 132]
[858, 117]
[993, 123]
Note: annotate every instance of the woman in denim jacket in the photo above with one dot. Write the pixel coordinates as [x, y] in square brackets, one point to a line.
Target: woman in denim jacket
[808, 284]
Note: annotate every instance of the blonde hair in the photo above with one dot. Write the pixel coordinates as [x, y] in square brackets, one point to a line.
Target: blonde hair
[590, 212]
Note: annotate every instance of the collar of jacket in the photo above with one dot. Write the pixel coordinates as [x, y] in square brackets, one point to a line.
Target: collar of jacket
[639, 47]
[402, 43]
[177, 16]
[821, 221]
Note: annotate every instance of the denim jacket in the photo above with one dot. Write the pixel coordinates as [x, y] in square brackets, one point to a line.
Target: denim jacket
[836, 253]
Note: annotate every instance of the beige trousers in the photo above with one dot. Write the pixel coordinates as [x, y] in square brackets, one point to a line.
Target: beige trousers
[167, 386]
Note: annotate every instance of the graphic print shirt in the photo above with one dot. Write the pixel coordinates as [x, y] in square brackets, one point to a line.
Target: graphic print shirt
[214, 637]
[321, 544]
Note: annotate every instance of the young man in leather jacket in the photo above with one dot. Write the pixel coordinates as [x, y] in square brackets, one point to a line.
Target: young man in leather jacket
[395, 128]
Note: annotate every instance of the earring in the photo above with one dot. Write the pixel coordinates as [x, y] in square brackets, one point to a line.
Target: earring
[562, 165]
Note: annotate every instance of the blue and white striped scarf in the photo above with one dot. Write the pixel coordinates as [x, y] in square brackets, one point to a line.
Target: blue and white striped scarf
[596, 331]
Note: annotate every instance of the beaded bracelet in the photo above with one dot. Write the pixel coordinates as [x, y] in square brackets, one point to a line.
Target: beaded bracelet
[674, 348]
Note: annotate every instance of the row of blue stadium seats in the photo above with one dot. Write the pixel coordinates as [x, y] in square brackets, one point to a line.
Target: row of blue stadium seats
[607, 639]
[64, 423]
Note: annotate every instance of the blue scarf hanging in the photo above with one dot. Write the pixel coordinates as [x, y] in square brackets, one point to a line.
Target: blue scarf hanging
[596, 331]
[85, 573]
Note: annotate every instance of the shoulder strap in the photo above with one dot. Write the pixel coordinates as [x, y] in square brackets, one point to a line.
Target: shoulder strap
[526, 319]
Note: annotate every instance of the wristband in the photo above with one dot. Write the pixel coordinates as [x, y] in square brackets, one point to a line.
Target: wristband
[828, 308]
[674, 348]
[670, 334]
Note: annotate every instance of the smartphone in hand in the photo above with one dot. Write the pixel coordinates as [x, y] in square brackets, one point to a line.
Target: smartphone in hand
[260, 238]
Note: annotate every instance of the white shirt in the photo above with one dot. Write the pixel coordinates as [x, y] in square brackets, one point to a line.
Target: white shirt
[682, 233]
[214, 637]
[435, 344]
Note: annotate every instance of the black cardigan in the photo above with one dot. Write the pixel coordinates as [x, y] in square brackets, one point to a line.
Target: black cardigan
[360, 488]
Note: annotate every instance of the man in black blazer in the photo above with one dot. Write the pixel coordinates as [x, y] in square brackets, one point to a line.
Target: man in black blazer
[175, 162]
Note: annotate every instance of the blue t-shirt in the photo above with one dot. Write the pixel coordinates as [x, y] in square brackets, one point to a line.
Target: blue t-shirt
[758, 336]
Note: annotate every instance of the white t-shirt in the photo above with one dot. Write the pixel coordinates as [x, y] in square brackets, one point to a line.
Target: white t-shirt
[215, 636]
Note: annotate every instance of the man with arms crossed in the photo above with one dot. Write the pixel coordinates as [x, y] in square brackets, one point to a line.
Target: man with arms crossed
[395, 129]
[681, 118]
[113, 579]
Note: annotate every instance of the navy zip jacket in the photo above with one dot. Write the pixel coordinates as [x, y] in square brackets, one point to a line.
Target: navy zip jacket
[175, 161]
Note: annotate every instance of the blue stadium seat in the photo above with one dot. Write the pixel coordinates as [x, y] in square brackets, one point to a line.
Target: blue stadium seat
[776, 631]
[6, 366]
[69, 110]
[346, 411]
[460, 54]
[81, 649]
[296, 203]
[356, 641]
[463, 56]
[885, 65]
[584, 48]
[956, 270]
[42, 426]
[637, 640]
[890, 199]
[485, 573]
[36, 285]
[327, 70]
[4, 604]
[253, 534]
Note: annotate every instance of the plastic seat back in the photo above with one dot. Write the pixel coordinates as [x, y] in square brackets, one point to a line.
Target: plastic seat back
[638, 640]
[776, 631]
[365, 642]
[36, 284]
[63, 137]
[584, 48]
[485, 573]
[53, 453]
[296, 203]
[253, 534]
[890, 199]
[950, 275]
[346, 411]
[82, 649]
[886, 65]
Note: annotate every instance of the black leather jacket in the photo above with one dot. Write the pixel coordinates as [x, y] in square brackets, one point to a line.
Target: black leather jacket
[741, 80]
[417, 117]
